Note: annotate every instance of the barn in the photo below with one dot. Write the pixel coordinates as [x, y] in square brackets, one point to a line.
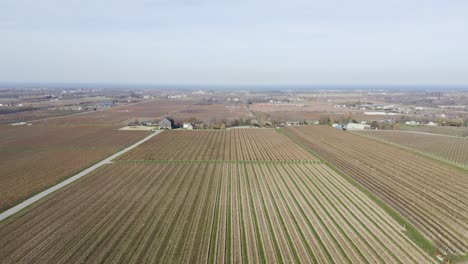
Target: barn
[166, 123]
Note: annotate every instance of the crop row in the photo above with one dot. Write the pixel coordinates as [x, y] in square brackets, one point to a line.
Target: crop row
[430, 195]
[442, 130]
[208, 212]
[237, 144]
[31, 161]
[451, 149]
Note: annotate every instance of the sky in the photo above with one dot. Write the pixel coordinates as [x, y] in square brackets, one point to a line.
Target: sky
[300, 42]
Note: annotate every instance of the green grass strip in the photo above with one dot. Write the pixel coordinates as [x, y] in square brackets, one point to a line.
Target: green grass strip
[245, 256]
[303, 238]
[257, 229]
[214, 230]
[228, 218]
[316, 235]
[270, 225]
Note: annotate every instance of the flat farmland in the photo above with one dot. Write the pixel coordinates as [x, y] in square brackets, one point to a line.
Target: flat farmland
[205, 111]
[234, 145]
[33, 115]
[431, 195]
[23, 173]
[38, 156]
[451, 149]
[65, 137]
[199, 212]
[443, 130]
[121, 115]
[33, 158]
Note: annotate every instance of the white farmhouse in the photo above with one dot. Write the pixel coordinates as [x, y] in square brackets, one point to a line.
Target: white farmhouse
[356, 126]
[412, 123]
[188, 125]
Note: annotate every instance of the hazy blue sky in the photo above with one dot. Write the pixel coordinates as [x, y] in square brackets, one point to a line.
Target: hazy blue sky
[235, 42]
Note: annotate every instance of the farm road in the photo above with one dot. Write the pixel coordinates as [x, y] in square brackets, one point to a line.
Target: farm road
[37, 197]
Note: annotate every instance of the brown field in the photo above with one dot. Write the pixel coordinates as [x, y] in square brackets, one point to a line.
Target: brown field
[213, 112]
[431, 195]
[66, 137]
[201, 212]
[296, 112]
[33, 115]
[443, 130]
[451, 149]
[35, 157]
[121, 115]
[235, 144]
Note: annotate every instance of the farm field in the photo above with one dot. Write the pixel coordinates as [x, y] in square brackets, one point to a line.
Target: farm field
[121, 115]
[198, 212]
[235, 145]
[443, 130]
[451, 149]
[208, 112]
[431, 195]
[65, 137]
[33, 115]
[33, 158]
[38, 156]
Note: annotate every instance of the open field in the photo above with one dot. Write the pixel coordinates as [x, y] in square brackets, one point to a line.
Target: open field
[198, 212]
[33, 158]
[36, 157]
[121, 115]
[443, 130]
[451, 149]
[33, 115]
[205, 111]
[431, 195]
[236, 144]
[65, 137]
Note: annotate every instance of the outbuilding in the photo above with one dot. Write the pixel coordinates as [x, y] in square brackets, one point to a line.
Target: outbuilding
[356, 126]
[188, 125]
[166, 123]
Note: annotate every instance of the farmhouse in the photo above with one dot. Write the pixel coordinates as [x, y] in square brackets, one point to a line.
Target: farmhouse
[188, 125]
[412, 123]
[356, 126]
[293, 123]
[166, 123]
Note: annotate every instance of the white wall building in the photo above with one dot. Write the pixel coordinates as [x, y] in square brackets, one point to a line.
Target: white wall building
[356, 126]
[188, 125]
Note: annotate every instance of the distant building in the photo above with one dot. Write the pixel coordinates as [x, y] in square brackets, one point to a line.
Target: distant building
[166, 123]
[188, 125]
[293, 123]
[432, 124]
[337, 126]
[106, 104]
[356, 126]
[412, 123]
[375, 113]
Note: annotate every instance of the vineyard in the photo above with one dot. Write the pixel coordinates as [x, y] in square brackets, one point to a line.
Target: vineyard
[429, 194]
[236, 145]
[212, 111]
[121, 115]
[451, 149]
[443, 130]
[204, 212]
[35, 157]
